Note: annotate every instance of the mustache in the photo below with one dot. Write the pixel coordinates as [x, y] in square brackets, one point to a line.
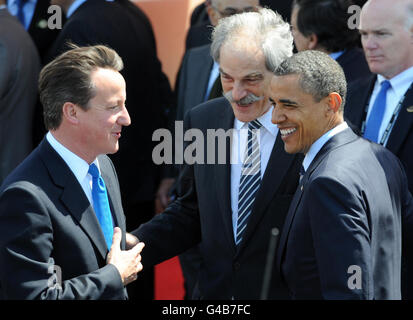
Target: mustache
[250, 98]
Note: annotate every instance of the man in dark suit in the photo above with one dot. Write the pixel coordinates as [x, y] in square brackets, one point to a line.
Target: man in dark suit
[35, 19]
[323, 25]
[342, 235]
[20, 66]
[384, 114]
[58, 208]
[149, 97]
[222, 204]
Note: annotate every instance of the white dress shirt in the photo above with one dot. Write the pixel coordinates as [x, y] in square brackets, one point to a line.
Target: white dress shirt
[320, 142]
[399, 85]
[266, 140]
[77, 165]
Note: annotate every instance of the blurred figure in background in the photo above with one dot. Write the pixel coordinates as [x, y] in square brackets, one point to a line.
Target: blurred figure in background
[323, 25]
[19, 71]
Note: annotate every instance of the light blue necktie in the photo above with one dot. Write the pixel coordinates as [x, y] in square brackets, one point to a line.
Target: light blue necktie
[101, 204]
[376, 114]
[20, 14]
[250, 179]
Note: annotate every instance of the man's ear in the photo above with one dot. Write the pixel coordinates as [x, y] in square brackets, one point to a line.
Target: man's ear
[334, 102]
[312, 41]
[70, 112]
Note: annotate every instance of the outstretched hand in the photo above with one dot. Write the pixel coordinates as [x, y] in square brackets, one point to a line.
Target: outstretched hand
[128, 262]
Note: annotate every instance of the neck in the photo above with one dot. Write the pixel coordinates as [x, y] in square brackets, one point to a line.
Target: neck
[73, 143]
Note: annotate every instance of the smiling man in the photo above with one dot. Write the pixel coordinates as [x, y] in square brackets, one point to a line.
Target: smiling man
[228, 212]
[342, 235]
[58, 209]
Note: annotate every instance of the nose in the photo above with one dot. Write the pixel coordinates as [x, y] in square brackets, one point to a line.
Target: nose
[277, 116]
[124, 118]
[369, 42]
[238, 91]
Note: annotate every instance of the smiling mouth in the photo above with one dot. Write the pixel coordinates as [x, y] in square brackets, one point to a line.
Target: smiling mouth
[287, 132]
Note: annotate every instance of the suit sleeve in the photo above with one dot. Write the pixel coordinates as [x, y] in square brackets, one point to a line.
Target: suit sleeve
[341, 240]
[27, 269]
[178, 227]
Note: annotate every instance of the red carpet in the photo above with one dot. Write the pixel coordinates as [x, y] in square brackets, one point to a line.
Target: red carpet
[169, 282]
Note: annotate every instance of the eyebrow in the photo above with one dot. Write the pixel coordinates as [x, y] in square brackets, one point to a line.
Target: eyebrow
[287, 101]
[251, 75]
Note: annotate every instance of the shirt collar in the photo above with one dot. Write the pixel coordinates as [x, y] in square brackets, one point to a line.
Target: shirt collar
[399, 83]
[265, 120]
[336, 55]
[320, 142]
[77, 165]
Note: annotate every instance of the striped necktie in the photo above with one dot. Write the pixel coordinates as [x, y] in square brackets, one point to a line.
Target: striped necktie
[250, 179]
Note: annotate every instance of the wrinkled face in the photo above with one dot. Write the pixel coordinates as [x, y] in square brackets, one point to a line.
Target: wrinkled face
[300, 119]
[245, 79]
[301, 42]
[387, 43]
[102, 123]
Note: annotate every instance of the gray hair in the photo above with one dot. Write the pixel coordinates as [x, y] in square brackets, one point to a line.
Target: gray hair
[319, 74]
[266, 27]
[68, 79]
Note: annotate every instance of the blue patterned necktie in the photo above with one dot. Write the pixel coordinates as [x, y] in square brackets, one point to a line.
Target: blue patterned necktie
[101, 204]
[250, 179]
[376, 114]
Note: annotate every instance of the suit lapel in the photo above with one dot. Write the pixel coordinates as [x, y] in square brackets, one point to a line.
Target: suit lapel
[73, 197]
[356, 109]
[338, 140]
[277, 168]
[402, 126]
[223, 176]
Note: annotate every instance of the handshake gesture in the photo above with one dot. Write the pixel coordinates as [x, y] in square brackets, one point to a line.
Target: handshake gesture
[128, 262]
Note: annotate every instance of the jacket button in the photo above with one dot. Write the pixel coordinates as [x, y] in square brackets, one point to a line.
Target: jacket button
[237, 266]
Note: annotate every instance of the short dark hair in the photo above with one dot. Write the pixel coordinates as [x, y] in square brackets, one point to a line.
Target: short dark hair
[328, 19]
[68, 79]
[319, 74]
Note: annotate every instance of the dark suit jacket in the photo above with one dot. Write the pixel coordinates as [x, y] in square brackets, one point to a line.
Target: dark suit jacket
[346, 214]
[19, 72]
[202, 213]
[42, 36]
[46, 219]
[102, 22]
[354, 64]
[400, 141]
[193, 79]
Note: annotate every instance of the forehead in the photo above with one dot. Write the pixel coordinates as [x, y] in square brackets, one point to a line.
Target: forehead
[381, 15]
[242, 56]
[285, 86]
[237, 4]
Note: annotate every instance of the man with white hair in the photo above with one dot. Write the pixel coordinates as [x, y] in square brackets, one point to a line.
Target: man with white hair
[229, 207]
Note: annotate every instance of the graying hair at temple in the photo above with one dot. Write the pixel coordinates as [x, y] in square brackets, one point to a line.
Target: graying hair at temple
[265, 26]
